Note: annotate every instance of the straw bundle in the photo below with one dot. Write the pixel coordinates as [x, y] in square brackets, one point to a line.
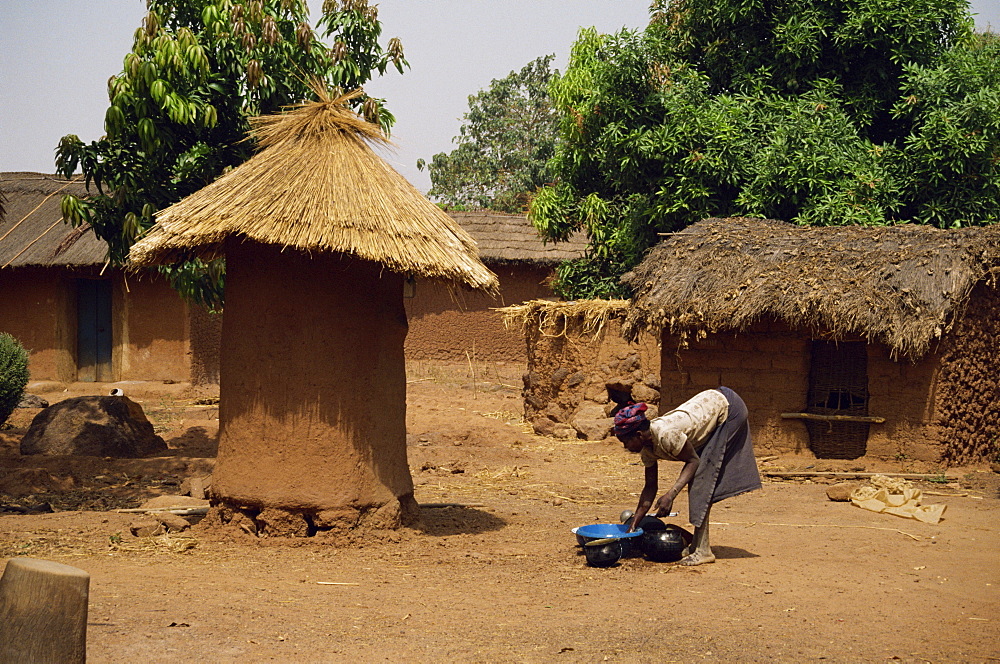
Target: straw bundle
[317, 185]
[552, 318]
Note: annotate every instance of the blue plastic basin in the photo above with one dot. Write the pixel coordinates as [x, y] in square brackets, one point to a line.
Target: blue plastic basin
[602, 530]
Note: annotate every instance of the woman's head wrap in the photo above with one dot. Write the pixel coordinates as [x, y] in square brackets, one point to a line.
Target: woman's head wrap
[630, 419]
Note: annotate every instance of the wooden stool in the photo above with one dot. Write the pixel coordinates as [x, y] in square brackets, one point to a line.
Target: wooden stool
[43, 613]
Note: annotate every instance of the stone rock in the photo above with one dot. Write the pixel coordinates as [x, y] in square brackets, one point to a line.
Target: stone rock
[93, 426]
[620, 389]
[543, 426]
[32, 401]
[343, 518]
[641, 392]
[630, 363]
[558, 376]
[653, 381]
[593, 429]
[840, 493]
[554, 412]
[590, 411]
[173, 523]
[576, 379]
[563, 431]
[147, 527]
[275, 522]
[196, 487]
[597, 394]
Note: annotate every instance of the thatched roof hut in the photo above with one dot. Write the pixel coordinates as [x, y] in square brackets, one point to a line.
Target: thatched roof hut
[319, 235]
[899, 285]
[317, 185]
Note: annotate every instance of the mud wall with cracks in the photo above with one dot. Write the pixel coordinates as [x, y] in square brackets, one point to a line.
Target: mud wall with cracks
[313, 394]
[576, 377]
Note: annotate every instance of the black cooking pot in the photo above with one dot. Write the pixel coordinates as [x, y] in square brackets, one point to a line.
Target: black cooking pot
[648, 522]
[664, 546]
[604, 555]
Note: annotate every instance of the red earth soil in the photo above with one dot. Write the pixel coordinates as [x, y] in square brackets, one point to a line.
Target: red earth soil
[499, 578]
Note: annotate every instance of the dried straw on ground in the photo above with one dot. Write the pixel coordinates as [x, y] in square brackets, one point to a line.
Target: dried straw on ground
[900, 285]
[317, 185]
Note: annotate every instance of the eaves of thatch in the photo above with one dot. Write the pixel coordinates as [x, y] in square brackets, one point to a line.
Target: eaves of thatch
[33, 234]
[317, 186]
[902, 285]
[508, 239]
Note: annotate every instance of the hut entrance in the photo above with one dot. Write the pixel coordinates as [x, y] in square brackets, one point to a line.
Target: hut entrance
[93, 330]
[838, 385]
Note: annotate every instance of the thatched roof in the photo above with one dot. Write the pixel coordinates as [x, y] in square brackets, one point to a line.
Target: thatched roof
[33, 234]
[317, 185]
[899, 285]
[508, 238]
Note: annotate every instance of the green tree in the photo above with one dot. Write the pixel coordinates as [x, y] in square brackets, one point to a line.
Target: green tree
[179, 110]
[813, 111]
[506, 138]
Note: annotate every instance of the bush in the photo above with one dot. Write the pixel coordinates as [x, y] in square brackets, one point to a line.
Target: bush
[13, 374]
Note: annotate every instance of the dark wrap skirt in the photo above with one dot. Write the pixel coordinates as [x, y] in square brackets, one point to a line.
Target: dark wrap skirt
[727, 466]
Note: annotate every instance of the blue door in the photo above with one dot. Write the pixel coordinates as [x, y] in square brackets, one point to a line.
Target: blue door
[93, 306]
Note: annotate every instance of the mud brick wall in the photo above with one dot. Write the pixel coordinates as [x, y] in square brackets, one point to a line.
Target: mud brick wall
[967, 398]
[902, 392]
[570, 373]
[768, 366]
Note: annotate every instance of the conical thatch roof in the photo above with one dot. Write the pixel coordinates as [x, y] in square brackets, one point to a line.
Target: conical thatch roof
[317, 185]
[900, 285]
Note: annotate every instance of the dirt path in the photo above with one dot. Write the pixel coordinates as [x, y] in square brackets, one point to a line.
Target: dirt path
[799, 578]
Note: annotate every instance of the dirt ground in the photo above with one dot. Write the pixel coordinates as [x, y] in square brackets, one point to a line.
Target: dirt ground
[500, 578]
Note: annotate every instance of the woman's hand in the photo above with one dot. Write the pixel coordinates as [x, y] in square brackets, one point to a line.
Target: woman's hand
[663, 506]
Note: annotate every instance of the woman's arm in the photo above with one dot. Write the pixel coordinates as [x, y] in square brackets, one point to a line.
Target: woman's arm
[647, 496]
[691, 460]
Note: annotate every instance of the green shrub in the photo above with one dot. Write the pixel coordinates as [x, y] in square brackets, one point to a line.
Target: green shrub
[13, 374]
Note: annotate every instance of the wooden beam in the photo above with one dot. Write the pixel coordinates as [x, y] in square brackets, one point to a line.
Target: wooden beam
[833, 418]
[820, 473]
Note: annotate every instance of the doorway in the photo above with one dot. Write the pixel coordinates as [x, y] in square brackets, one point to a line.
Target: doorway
[93, 325]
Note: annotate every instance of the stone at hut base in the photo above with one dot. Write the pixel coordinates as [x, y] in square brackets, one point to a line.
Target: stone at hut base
[275, 522]
[93, 426]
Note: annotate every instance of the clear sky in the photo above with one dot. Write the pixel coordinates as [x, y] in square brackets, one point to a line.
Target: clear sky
[57, 55]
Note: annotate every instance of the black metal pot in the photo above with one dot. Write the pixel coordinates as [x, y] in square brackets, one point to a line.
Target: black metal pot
[664, 546]
[604, 555]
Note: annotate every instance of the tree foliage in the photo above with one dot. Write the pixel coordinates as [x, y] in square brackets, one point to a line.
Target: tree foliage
[179, 110]
[505, 141]
[819, 112]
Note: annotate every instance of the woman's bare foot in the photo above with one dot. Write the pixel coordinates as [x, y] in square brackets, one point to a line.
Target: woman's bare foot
[697, 558]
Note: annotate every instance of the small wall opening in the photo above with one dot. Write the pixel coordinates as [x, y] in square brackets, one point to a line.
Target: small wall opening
[838, 385]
